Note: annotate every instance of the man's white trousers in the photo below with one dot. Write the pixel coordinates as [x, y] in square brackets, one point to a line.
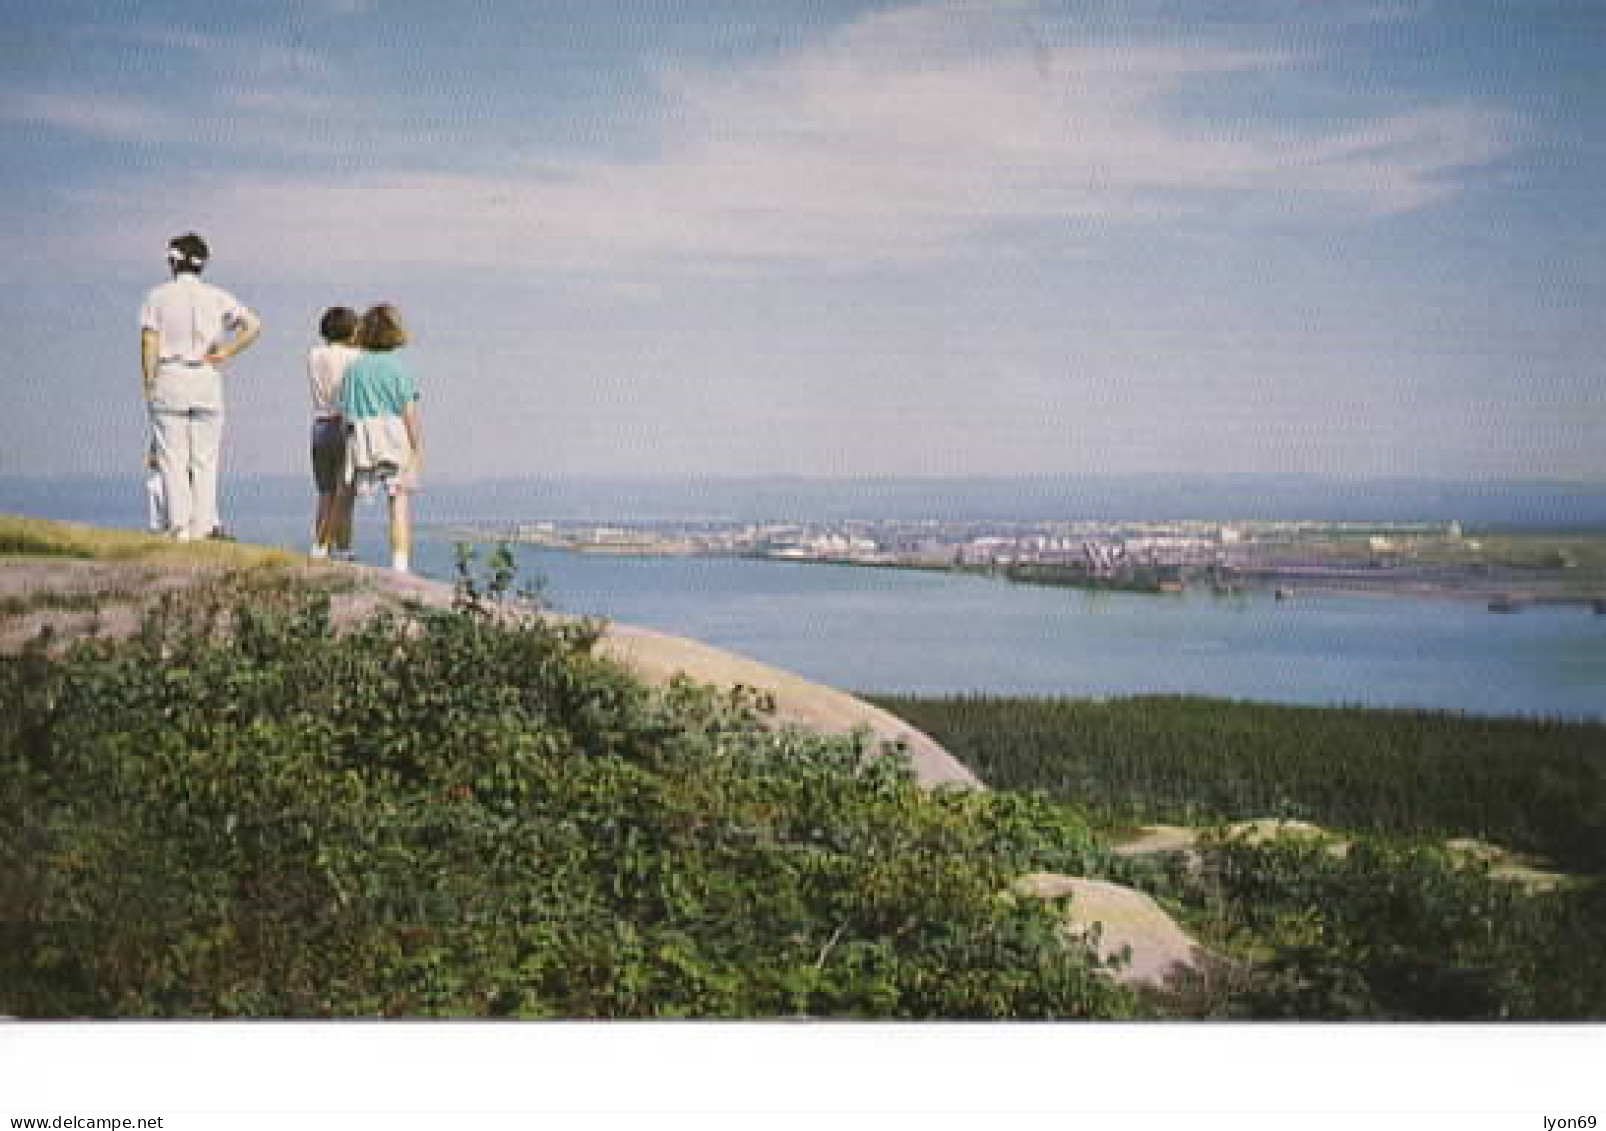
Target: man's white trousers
[188, 445]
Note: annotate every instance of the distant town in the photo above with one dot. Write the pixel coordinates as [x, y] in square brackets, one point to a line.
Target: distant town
[1508, 570]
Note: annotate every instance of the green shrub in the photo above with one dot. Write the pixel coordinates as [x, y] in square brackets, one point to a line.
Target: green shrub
[27, 543]
[242, 812]
[1386, 932]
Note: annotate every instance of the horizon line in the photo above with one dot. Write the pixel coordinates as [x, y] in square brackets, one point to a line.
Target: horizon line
[1598, 482]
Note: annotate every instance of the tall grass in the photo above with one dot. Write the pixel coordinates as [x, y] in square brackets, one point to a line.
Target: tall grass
[36, 537]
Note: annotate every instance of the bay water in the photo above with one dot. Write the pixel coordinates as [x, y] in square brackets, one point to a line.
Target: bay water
[930, 633]
[915, 632]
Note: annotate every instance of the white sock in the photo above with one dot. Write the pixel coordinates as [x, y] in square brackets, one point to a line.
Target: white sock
[319, 551]
[398, 561]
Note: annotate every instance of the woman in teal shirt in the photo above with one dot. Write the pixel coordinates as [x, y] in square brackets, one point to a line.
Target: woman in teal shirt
[384, 432]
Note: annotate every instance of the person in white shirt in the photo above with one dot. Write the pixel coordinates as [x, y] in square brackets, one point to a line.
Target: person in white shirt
[187, 329]
[326, 369]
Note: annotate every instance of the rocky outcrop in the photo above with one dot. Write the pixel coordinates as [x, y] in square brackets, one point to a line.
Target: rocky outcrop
[658, 658]
[75, 597]
[1124, 925]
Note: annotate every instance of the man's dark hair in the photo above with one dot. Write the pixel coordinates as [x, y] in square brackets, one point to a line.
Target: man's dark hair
[187, 253]
[338, 324]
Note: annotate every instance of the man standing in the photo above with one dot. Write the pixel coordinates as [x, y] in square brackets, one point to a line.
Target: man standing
[185, 328]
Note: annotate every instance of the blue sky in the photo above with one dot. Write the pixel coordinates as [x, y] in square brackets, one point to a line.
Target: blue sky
[1359, 238]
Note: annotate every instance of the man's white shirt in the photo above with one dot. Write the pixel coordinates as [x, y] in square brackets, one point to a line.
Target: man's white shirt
[190, 319]
[326, 369]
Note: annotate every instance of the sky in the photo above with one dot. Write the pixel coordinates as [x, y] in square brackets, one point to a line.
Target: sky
[821, 238]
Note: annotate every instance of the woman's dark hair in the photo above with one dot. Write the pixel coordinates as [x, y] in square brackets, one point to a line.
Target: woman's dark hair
[337, 324]
[381, 329]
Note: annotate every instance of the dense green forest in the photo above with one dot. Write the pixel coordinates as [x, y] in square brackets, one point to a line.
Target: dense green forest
[1531, 784]
[240, 811]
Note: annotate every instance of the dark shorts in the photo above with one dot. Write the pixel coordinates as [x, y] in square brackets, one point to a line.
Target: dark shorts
[328, 454]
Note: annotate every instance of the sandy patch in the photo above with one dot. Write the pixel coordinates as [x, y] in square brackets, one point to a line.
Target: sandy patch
[1158, 838]
[1504, 864]
[1507, 865]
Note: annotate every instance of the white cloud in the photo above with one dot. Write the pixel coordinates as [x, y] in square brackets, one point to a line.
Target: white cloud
[238, 56]
[102, 115]
[288, 102]
[903, 138]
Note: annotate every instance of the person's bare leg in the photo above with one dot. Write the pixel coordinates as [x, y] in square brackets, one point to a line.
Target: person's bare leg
[323, 524]
[340, 520]
[401, 532]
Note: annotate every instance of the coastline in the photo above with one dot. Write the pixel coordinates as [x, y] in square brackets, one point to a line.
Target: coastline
[1540, 588]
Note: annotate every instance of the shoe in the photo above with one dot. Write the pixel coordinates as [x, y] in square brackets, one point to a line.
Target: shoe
[318, 553]
[218, 534]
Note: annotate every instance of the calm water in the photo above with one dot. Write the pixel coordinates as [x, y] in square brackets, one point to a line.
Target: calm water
[929, 633]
